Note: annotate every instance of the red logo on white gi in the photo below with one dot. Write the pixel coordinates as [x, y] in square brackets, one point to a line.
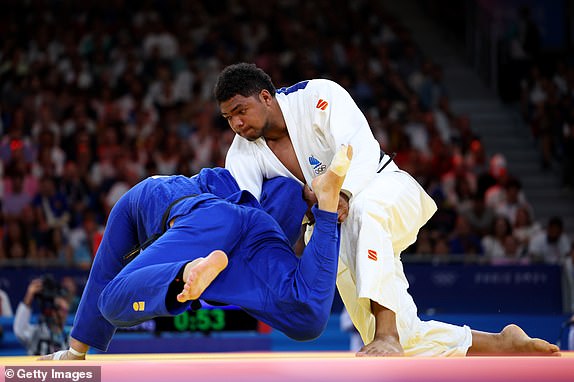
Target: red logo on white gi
[372, 255]
[322, 104]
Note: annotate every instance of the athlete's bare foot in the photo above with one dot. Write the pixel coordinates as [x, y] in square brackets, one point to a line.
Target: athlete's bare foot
[515, 341]
[200, 273]
[512, 340]
[328, 185]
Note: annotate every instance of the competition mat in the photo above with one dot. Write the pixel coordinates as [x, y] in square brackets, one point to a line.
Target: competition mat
[289, 367]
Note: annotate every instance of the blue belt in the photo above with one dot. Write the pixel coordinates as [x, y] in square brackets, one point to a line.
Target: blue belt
[163, 227]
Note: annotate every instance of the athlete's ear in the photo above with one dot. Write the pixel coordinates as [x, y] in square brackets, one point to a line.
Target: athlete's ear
[265, 97]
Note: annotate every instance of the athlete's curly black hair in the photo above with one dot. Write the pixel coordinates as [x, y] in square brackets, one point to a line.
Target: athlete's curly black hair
[243, 79]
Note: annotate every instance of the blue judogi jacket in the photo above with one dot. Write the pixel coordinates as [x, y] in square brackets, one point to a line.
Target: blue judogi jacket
[263, 276]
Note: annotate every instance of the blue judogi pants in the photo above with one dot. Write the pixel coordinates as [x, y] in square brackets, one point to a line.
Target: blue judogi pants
[264, 276]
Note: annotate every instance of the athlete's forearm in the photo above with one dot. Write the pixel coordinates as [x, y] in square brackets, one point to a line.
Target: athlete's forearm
[320, 256]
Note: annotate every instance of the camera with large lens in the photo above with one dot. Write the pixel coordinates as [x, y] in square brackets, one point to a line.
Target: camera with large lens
[47, 297]
[51, 336]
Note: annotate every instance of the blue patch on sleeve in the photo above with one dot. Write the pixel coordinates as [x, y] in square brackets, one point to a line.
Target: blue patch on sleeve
[293, 88]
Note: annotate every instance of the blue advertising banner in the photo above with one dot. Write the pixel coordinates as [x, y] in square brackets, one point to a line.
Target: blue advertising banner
[458, 288]
[441, 288]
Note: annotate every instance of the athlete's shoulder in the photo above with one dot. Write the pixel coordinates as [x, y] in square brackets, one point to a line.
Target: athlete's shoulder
[307, 86]
[329, 87]
[297, 88]
[324, 83]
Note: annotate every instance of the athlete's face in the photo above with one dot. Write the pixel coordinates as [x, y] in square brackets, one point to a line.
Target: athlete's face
[248, 116]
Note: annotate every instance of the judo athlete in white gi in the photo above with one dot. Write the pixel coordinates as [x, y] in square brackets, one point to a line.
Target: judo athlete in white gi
[228, 251]
[294, 132]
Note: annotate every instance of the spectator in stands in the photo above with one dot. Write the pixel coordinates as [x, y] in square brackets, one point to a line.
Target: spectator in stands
[51, 215]
[19, 167]
[17, 244]
[441, 246]
[48, 148]
[424, 244]
[514, 253]
[16, 199]
[5, 305]
[494, 177]
[444, 220]
[168, 154]
[71, 292]
[506, 196]
[160, 39]
[77, 192]
[83, 239]
[443, 118]
[459, 184]
[16, 144]
[79, 129]
[48, 335]
[512, 200]
[541, 127]
[551, 246]
[479, 216]
[51, 205]
[493, 242]
[163, 93]
[464, 242]
[525, 227]
[476, 161]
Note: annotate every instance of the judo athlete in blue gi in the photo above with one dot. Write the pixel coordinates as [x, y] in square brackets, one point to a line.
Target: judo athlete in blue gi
[219, 243]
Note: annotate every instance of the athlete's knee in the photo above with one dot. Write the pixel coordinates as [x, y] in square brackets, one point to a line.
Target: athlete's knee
[306, 333]
[308, 324]
[106, 307]
[112, 311]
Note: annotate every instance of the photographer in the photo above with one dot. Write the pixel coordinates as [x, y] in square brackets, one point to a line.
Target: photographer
[48, 335]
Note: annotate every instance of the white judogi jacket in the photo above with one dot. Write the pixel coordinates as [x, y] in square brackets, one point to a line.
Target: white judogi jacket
[321, 116]
[387, 209]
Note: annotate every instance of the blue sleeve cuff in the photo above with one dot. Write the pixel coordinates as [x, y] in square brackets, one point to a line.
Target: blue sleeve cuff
[327, 219]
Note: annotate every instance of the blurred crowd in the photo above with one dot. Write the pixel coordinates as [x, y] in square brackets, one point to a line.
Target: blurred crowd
[547, 100]
[97, 95]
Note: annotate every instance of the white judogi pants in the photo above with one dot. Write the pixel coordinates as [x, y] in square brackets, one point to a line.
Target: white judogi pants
[384, 219]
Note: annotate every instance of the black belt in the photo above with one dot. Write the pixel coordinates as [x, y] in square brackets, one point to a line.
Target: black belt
[140, 247]
[391, 157]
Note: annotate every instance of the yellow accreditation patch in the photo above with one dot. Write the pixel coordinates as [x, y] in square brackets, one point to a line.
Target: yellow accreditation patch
[139, 306]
